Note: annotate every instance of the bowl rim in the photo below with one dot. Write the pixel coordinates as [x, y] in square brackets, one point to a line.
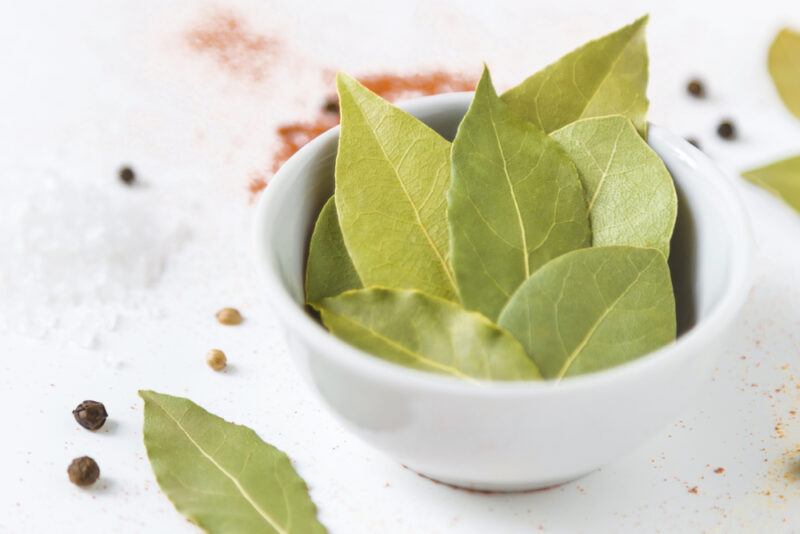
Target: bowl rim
[295, 316]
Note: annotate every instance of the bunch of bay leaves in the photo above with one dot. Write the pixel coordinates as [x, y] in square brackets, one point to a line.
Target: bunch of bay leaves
[533, 246]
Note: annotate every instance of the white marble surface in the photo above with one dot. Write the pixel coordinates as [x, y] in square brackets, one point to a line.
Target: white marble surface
[87, 85]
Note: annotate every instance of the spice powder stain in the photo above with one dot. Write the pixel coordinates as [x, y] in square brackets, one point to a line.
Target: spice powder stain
[235, 48]
[293, 136]
[793, 472]
[779, 430]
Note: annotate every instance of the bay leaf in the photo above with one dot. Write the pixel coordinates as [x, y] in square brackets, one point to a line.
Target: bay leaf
[329, 270]
[392, 175]
[220, 475]
[515, 202]
[782, 178]
[630, 193]
[593, 308]
[784, 67]
[607, 76]
[417, 330]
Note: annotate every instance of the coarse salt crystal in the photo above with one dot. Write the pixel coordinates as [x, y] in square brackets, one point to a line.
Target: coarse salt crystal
[79, 256]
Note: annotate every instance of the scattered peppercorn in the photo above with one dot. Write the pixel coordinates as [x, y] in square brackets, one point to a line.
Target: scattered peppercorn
[696, 89]
[694, 142]
[726, 130]
[229, 316]
[331, 106]
[216, 359]
[127, 175]
[83, 471]
[719, 470]
[90, 414]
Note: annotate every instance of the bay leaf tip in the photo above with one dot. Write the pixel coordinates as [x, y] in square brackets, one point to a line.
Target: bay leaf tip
[345, 82]
[641, 21]
[485, 83]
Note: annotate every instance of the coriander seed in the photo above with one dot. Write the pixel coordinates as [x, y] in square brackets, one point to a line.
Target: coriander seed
[127, 175]
[726, 130]
[216, 359]
[229, 316]
[90, 414]
[696, 88]
[83, 471]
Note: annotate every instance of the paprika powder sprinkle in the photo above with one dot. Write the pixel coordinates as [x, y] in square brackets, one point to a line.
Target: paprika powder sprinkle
[234, 47]
[392, 87]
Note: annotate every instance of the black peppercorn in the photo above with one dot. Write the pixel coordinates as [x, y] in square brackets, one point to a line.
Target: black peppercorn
[694, 142]
[726, 130]
[696, 89]
[90, 414]
[83, 471]
[331, 106]
[127, 175]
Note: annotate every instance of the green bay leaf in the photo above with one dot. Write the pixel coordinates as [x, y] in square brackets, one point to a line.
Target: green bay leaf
[607, 76]
[593, 308]
[630, 193]
[784, 67]
[782, 178]
[329, 270]
[222, 476]
[515, 202]
[392, 175]
[417, 330]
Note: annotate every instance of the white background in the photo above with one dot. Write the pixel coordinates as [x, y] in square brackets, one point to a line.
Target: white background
[88, 85]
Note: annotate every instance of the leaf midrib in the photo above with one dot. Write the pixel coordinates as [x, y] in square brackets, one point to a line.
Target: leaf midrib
[270, 521]
[586, 338]
[394, 344]
[523, 235]
[607, 74]
[444, 265]
[607, 170]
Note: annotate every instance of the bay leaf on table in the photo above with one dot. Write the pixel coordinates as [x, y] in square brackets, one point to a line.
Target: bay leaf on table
[782, 178]
[593, 308]
[784, 67]
[329, 269]
[630, 194]
[515, 202]
[607, 76]
[392, 175]
[220, 475]
[411, 328]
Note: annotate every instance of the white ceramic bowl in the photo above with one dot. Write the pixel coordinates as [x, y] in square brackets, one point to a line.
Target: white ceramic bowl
[511, 436]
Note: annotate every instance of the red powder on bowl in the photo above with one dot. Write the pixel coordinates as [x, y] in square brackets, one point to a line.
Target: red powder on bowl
[393, 87]
[292, 136]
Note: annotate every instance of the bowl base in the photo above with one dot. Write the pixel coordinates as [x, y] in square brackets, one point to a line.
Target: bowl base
[491, 488]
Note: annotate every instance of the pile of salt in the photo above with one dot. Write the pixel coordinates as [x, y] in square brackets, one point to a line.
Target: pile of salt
[77, 257]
